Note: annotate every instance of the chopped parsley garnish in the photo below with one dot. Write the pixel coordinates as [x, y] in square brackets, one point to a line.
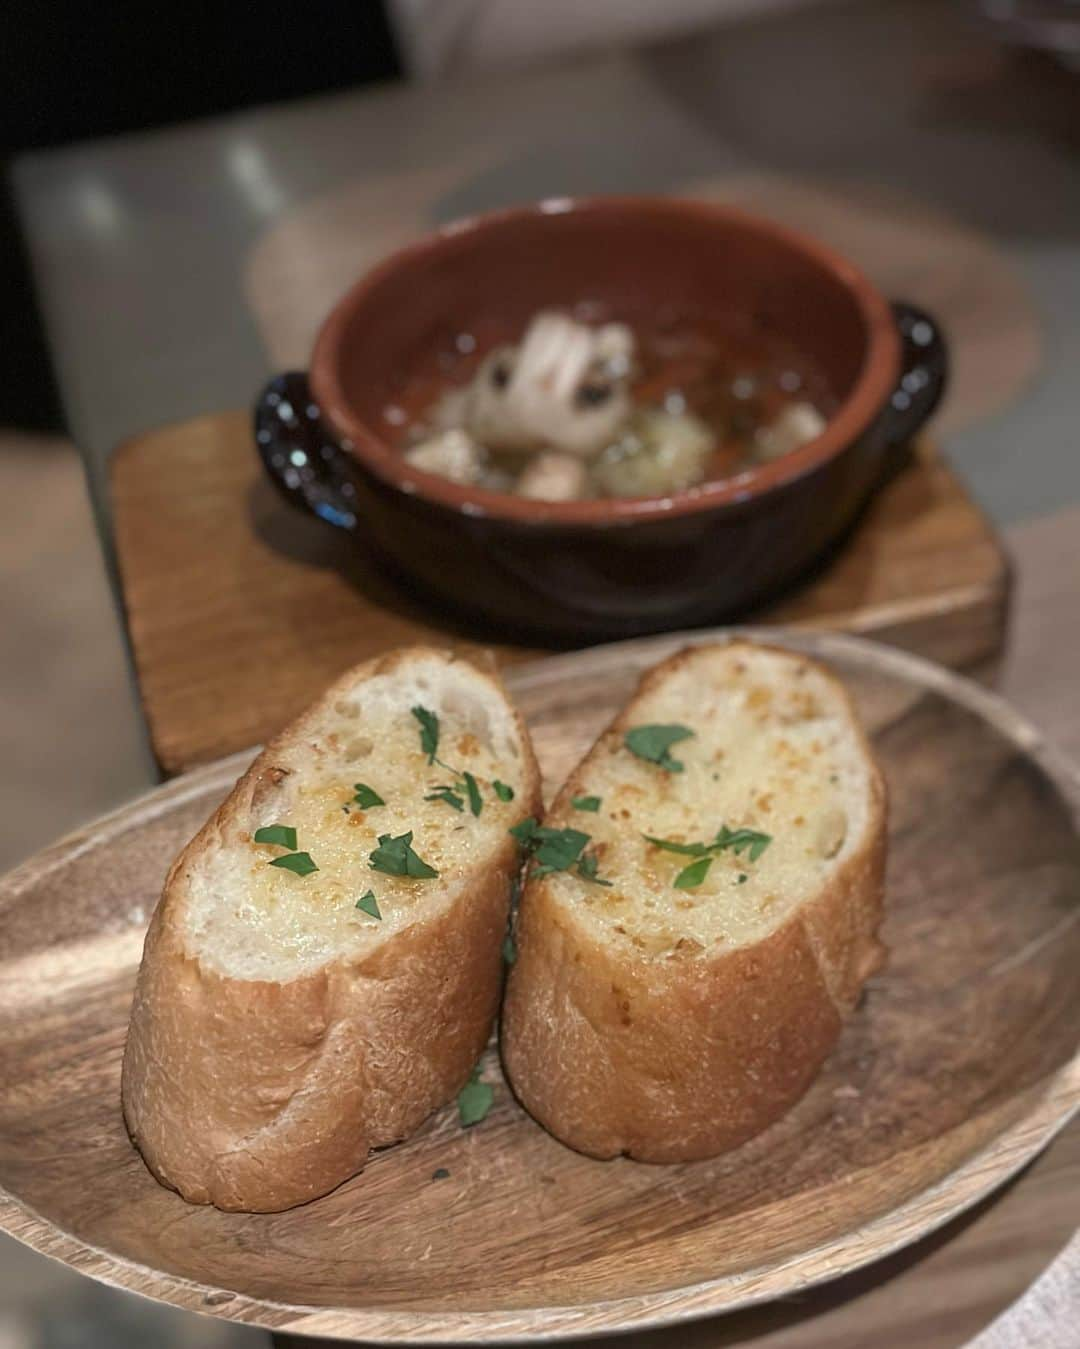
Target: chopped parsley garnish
[739, 841]
[589, 803]
[395, 857]
[557, 850]
[370, 905]
[750, 841]
[509, 949]
[451, 796]
[743, 877]
[476, 805]
[429, 731]
[283, 835]
[691, 876]
[440, 1173]
[366, 796]
[653, 743]
[669, 845]
[474, 1099]
[525, 832]
[299, 863]
[587, 867]
[447, 796]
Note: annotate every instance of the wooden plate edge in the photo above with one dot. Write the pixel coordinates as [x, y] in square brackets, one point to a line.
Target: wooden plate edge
[969, 1183]
[977, 1178]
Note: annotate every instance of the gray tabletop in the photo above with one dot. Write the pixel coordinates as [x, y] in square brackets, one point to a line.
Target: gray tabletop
[139, 243]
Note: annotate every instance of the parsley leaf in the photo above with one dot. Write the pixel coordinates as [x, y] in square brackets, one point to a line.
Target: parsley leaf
[652, 744]
[283, 835]
[691, 876]
[509, 949]
[742, 840]
[440, 1173]
[587, 867]
[738, 841]
[589, 803]
[370, 905]
[743, 878]
[395, 857]
[447, 796]
[669, 845]
[429, 731]
[299, 863]
[558, 849]
[366, 796]
[475, 1099]
[502, 791]
[525, 832]
[476, 805]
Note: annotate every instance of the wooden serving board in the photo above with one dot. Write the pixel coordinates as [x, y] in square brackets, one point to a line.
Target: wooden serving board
[240, 609]
[958, 1067]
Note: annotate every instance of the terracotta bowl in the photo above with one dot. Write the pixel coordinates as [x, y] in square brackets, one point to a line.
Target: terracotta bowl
[599, 568]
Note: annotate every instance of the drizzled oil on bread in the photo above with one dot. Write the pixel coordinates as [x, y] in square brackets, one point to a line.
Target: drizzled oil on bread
[310, 996]
[682, 998]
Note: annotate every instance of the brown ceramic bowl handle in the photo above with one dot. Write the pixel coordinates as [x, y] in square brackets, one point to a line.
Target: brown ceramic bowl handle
[308, 466]
[301, 454]
[924, 373]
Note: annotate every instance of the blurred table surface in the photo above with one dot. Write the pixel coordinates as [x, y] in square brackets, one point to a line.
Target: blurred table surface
[141, 248]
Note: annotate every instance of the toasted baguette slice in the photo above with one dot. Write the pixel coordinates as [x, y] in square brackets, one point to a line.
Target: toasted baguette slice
[278, 1031]
[669, 1023]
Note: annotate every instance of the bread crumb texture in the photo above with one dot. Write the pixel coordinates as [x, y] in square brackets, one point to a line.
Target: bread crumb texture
[775, 748]
[247, 919]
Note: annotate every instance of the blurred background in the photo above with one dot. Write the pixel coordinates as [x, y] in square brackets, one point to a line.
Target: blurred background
[927, 114]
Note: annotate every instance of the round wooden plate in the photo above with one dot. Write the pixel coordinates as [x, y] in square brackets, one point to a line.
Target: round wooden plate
[960, 1064]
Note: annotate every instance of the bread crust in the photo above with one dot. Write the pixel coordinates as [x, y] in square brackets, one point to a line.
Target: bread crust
[681, 1059]
[258, 1095]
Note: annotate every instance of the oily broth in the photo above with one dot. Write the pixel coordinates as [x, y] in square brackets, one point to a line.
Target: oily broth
[448, 364]
[736, 377]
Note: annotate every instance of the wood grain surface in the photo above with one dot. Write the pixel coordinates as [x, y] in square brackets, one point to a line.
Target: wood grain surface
[240, 609]
[958, 1067]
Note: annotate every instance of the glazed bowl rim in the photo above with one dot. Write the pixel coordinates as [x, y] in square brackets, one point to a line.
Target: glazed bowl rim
[864, 402]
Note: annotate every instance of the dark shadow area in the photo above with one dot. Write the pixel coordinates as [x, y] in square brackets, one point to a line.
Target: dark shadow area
[72, 72]
[297, 535]
[82, 71]
[28, 396]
